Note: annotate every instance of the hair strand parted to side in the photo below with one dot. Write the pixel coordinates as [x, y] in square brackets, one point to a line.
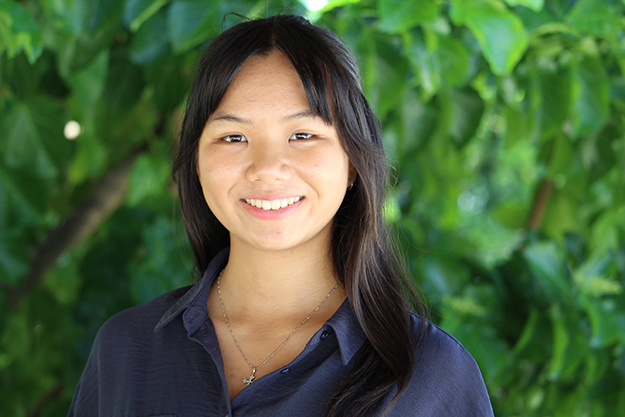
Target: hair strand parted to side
[364, 257]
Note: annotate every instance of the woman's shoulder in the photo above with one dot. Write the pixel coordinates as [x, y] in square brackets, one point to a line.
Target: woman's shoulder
[139, 320]
[446, 380]
[435, 344]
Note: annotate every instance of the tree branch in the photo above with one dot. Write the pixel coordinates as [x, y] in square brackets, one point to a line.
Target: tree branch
[53, 394]
[105, 198]
[539, 205]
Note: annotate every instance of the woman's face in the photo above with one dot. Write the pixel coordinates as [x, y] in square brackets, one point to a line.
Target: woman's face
[271, 172]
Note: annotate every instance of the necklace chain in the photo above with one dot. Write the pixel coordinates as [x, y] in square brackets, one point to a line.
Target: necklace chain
[249, 380]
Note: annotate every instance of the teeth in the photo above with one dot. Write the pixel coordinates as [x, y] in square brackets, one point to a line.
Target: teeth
[273, 204]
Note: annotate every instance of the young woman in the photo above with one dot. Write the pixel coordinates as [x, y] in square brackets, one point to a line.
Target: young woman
[281, 175]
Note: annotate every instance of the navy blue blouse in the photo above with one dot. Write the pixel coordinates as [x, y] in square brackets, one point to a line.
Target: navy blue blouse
[162, 359]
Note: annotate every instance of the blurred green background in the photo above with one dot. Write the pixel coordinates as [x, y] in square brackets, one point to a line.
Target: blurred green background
[504, 120]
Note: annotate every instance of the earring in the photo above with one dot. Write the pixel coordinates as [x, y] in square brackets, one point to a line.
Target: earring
[350, 186]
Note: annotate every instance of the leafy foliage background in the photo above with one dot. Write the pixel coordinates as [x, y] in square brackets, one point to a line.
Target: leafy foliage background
[504, 119]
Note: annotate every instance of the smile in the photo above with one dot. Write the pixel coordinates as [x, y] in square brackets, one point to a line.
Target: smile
[273, 204]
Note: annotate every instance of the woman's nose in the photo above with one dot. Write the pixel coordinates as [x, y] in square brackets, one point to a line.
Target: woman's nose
[269, 163]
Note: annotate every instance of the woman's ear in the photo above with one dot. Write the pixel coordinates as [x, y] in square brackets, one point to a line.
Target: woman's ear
[351, 176]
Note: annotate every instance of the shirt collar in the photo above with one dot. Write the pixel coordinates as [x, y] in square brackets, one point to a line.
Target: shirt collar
[349, 334]
[192, 305]
[193, 302]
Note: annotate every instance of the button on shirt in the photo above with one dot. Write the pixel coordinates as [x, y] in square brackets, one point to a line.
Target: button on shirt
[162, 359]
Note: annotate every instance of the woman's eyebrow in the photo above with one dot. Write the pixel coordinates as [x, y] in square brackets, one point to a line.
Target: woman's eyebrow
[228, 117]
[304, 114]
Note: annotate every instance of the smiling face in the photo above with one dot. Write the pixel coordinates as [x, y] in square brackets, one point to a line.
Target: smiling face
[272, 172]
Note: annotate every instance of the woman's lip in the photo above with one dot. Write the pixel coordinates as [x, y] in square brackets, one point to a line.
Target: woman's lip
[270, 197]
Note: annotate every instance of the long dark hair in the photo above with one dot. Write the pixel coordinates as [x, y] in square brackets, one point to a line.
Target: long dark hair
[364, 257]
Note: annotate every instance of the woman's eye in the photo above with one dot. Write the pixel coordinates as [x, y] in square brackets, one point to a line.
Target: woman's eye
[300, 136]
[234, 138]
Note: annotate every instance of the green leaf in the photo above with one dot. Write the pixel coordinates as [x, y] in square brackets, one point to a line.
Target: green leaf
[595, 17]
[418, 123]
[554, 89]
[518, 124]
[14, 259]
[136, 12]
[489, 350]
[547, 264]
[424, 63]
[561, 341]
[90, 159]
[88, 83]
[64, 281]
[562, 216]
[386, 70]
[593, 276]
[591, 96]
[598, 152]
[604, 231]
[535, 5]
[100, 13]
[167, 95]
[399, 15]
[607, 321]
[562, 155]
[19, 31]
[454, 61]
[24, 143]
[161, 264]
[23, 193]
[191, 22]
[124, 85]
[441, 276]
[463, 110]
[332, 4]
[151, 42]
[149, 176]
[501, 34]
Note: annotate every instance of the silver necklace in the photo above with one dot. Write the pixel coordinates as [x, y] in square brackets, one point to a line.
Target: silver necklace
[248, 381]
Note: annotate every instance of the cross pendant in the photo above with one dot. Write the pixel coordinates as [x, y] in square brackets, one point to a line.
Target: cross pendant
[249, 380]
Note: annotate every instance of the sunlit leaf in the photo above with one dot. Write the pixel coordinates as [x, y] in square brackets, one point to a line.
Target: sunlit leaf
[500, 33]
[136, 12]
[535, 5]
[19, 31]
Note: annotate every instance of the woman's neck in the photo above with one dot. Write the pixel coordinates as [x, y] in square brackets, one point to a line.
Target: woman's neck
[262, 285]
